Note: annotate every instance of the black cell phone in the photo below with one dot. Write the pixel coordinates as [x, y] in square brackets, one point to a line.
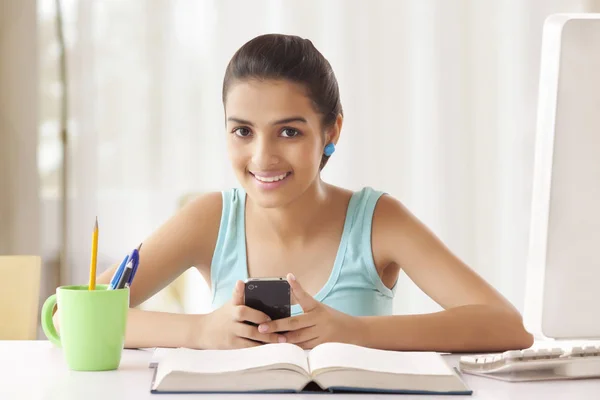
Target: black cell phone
[269, 295]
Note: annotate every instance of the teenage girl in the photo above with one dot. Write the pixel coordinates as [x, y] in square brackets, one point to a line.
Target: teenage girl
[340, 250]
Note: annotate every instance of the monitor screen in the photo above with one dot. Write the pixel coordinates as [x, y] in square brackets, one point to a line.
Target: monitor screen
[562, 298]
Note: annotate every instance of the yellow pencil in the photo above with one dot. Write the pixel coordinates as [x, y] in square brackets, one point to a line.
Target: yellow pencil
[94, 257]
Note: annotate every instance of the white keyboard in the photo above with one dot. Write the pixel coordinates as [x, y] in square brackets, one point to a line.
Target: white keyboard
[536, 364]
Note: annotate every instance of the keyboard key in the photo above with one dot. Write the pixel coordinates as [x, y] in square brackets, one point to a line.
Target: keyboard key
[543, 352]
[469, 359]
[512, 355]
[577, 351]
[549, 353]
[529, 354]
[556, 352]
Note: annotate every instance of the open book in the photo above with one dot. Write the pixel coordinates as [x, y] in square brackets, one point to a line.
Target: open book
[288, 368]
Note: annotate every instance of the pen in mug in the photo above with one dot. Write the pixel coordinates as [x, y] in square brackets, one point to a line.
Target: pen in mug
[130, 263]
[135, 265]
[117, 275]
[126, 276]
[124, 282]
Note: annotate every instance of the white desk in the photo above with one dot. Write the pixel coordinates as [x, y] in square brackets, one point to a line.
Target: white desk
[36, 370]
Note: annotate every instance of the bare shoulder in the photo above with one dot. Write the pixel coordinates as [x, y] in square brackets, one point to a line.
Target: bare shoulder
[390, 211]
[206, 206]
[393, 223]
[187, 238]
[200, 219]
[340, 194]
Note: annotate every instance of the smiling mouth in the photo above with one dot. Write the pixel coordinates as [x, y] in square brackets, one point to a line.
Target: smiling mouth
[271, 179]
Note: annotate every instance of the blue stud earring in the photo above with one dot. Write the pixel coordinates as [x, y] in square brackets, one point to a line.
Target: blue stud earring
[329, 149]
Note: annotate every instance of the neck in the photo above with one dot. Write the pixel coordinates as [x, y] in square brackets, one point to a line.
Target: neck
[294, 221]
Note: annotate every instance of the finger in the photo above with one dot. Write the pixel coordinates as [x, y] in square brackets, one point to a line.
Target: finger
[301, 335]
[306, 301]
[245, 313]
[310, 344]
[287, 324]
[252, 333]
[238, 294]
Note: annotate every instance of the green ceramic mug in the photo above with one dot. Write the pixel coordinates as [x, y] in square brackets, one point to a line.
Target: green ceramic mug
[92, 325]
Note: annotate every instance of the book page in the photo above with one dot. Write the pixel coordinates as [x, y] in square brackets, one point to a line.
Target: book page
[339, 355]
[158, 353]
[218, 361]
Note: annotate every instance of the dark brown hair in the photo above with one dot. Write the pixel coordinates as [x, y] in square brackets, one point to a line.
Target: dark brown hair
[292, 58]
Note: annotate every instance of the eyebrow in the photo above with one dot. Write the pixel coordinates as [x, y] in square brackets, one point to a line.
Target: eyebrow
[278, 122]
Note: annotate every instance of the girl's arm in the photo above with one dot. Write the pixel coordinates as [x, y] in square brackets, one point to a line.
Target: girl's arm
[476, 318]
[162, 329]
[185, 240]
[471, 328]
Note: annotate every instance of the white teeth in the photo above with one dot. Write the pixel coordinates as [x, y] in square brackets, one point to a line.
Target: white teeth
[271, 178]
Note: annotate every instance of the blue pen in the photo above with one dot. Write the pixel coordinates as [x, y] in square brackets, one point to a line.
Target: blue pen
[117, 276]
[125, 277]
[128, 274]
[136, 262]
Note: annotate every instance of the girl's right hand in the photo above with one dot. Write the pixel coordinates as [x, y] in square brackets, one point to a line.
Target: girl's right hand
[225, 328]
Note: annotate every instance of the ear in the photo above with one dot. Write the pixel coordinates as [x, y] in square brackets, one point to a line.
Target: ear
[333, 133]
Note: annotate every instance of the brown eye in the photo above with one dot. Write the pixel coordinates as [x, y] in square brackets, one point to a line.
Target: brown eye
[242, 132]
[290, 132]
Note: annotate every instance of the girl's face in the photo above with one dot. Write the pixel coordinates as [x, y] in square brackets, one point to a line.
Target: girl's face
[274, 139]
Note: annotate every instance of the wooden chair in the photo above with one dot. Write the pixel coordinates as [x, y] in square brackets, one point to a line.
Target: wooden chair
[19, 297]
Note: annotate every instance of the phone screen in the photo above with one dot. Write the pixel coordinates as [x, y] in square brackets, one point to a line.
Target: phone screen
[270, 296]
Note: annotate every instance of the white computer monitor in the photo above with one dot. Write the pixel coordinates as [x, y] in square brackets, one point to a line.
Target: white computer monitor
[562, 299]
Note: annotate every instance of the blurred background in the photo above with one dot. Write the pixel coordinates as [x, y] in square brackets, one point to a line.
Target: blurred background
[440, 101]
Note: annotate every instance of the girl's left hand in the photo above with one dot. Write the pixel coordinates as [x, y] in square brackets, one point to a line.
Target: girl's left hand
[318, 324]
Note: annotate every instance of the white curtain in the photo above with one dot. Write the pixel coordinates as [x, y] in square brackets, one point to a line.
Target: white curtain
[439, 98]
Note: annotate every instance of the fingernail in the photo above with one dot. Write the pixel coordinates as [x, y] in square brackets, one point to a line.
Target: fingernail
[262, 328]
[292, 277]
[281, 339]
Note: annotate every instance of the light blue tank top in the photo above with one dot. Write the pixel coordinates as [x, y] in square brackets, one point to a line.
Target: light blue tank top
[354, 287]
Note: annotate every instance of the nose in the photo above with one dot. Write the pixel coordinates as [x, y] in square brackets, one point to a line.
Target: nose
[264, 154]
